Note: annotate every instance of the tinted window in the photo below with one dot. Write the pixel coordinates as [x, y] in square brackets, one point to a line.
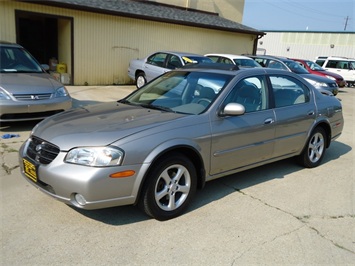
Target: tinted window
[157, 59]
[174, 62]
[288, 91]
[251, 92]
[342, 64]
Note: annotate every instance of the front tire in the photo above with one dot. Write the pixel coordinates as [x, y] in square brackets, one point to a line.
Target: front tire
[169, 187]
[314, 151]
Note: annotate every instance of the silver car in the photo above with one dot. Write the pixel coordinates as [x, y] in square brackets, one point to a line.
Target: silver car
[27, 92]
[154, 65]
[155, 147]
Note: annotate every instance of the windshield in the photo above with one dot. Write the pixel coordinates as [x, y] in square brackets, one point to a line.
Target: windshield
[180, 92]
[296, 68]
[314, 66]
[14, 59]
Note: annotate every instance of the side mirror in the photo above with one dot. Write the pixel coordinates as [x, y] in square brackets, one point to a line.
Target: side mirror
[45, 67]
[233, 109]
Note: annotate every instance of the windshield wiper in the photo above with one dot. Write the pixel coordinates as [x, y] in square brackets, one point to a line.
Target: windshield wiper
[124, 101]
[157, 107]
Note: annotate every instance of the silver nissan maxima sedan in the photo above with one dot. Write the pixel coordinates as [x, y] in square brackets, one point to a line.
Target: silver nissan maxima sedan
[161, 143]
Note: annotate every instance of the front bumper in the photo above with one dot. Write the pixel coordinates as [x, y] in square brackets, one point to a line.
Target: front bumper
[63, 181]
[12, 111]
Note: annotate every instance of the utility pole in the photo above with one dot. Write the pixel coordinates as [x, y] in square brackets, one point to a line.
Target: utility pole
[346, 22]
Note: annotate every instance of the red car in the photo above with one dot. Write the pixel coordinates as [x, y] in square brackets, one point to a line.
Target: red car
[315, 69]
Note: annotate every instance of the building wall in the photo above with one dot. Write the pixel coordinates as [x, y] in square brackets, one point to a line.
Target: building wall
[104, 44]
[308, 45]
[232, 10]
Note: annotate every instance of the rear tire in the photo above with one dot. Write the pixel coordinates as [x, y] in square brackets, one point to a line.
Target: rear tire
[314, 151]
[140, 80]
[169, 187]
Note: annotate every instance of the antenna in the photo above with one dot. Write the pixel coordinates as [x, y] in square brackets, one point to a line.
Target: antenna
[346, 22]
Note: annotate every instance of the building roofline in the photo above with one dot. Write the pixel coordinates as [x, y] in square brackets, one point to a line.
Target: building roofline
[308, 31]
[142, 10]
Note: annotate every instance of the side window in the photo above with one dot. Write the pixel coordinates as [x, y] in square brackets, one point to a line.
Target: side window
[288, 91]
[251, 92]
[320, 62]
[225, 60]
[261, 62]
[157, 59]
[174, 62]
[301, 64]
[332, 64]
[214, 58]
[277, 65]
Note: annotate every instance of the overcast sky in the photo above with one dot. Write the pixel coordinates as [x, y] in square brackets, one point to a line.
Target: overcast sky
[300, 15]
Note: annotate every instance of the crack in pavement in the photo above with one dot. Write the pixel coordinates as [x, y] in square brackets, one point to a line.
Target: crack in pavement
[302, 219]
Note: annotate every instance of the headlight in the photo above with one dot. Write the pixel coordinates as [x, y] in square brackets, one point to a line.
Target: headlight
[4, 95]
[317, 84]
[60, 92]
[95, 156]
[332, 78]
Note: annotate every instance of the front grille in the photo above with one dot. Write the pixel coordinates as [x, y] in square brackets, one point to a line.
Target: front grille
[28, 116]
[41, 151]
[32, 97]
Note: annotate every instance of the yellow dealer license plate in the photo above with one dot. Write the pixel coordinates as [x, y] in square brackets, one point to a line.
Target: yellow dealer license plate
[30, 170]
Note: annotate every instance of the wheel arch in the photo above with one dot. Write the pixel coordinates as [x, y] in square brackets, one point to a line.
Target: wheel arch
[190, 152]
[327, 129]
[138, 71]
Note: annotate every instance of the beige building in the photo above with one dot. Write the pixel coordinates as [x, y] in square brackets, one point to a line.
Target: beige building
[307, 45]
[95, 40]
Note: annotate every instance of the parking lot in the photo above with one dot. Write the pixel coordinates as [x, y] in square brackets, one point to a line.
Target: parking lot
[280, 213]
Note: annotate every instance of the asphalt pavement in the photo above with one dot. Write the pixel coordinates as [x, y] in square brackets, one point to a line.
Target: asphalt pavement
[280, 213]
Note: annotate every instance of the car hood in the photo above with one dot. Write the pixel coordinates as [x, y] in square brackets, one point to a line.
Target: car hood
[331, 74]
[20, 83]
[317, 78]
[99, 125]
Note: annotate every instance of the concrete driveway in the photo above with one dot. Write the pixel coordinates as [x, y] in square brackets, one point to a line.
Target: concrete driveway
[275, 214]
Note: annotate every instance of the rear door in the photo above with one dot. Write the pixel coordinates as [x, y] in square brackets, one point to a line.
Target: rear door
[295, 113]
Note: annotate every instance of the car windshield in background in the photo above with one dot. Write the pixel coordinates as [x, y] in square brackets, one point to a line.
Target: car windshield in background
[296, 68]
[314, 66]
[181, 92]
[14, 59]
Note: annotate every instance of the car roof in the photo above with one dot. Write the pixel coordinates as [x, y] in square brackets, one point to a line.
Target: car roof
[6, 43]
[231, 69]
[211, 66]
[271, 57]
[231, 56]
[179, 53]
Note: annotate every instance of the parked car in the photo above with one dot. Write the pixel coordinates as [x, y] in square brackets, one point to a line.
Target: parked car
[144, 70]
[239, 60]
[27, 91]
[290, 65]
[156, 146]
[315, 69]
[340, 65]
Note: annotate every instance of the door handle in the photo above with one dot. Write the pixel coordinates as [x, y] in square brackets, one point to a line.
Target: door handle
[269, 121]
